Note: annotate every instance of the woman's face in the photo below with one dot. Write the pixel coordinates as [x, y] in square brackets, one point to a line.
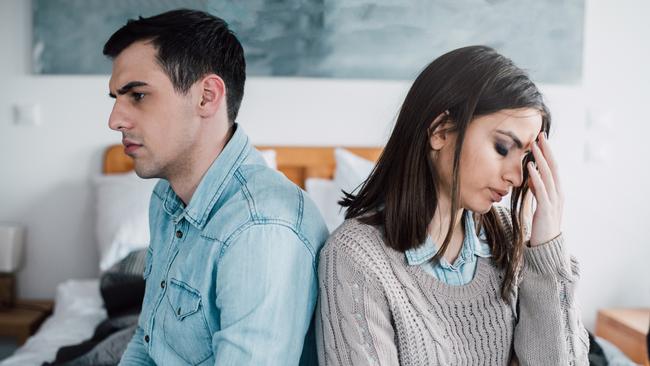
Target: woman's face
[491, 159]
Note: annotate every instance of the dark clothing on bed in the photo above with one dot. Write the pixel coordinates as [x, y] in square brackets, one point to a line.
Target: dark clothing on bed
[122, 289]
[105, 347]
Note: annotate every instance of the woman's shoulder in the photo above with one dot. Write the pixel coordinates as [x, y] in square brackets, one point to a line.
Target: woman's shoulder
[359, 248]
[361, 243]
[354, 234]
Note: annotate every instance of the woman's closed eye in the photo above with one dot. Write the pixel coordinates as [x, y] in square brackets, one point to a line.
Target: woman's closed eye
[501, 149]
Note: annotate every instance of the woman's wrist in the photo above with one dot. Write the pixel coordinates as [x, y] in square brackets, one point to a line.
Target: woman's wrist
[535, 243]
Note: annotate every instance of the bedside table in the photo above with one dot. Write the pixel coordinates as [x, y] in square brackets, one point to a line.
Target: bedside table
[627, 329]
[24, 319]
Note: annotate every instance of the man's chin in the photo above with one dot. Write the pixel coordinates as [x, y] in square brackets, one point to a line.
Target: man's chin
[145, 173]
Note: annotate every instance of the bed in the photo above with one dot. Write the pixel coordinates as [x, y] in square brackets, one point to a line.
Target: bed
[79, 308]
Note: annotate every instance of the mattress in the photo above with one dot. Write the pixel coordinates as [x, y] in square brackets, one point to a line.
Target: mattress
[78, 308]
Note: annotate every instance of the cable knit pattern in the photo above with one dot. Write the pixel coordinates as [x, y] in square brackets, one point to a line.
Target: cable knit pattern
[375, 309]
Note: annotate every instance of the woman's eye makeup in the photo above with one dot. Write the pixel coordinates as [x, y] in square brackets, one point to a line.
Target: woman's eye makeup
[501, 148]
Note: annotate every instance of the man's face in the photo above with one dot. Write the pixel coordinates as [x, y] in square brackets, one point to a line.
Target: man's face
[158, 125]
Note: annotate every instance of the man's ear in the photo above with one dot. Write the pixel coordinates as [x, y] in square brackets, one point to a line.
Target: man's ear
[212, 95]
[439, 131]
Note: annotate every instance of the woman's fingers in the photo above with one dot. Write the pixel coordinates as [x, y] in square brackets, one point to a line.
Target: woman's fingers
[550, 160]
[544, 171]
[537, 185]
[543, 181]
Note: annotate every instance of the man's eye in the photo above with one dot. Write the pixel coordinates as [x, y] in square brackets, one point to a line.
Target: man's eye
[137, 96]
[501, 150]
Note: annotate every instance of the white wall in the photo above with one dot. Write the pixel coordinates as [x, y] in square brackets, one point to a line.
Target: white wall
[45, 169]
[610, 203]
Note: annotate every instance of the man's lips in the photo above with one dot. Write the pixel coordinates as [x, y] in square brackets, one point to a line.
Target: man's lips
[130, 146]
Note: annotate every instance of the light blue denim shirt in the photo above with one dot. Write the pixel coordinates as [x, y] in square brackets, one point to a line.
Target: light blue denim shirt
[231, 277]
[462, 270]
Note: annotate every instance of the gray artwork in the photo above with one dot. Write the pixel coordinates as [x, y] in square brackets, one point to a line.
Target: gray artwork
[382, 39]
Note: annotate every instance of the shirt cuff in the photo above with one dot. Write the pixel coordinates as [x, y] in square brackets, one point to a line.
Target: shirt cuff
[548, 258]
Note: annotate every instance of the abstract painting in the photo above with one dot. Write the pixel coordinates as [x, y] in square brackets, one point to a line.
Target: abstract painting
[381, 39]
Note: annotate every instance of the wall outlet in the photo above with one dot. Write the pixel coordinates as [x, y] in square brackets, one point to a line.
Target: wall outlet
[27, 114]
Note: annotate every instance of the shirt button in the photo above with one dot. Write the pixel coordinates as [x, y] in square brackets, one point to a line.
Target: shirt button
[146, 338]
[162, 284]
[179, 234]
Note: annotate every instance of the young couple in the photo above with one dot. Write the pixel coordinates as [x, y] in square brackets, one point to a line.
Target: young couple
[426, 270]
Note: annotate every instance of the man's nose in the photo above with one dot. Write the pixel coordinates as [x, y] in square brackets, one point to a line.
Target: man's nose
[118, 120]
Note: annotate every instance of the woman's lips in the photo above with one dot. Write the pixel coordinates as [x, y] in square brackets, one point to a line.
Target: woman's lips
[496, 196]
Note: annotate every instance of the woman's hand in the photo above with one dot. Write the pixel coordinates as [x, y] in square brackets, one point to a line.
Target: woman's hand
[545, 185]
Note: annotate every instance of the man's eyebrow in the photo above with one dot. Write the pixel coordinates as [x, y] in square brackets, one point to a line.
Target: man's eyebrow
[128, 86]
[513, 137]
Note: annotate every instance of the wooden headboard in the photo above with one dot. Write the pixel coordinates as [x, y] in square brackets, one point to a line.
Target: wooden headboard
[297, 163]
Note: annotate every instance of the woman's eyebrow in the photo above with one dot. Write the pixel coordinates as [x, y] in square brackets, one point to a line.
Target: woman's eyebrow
[513, 137]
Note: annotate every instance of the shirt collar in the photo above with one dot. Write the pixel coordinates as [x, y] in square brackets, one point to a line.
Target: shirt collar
[212, 184]
[472, 245]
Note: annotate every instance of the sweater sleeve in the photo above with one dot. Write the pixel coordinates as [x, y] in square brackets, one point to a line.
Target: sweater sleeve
[549, 329]
[353, 325]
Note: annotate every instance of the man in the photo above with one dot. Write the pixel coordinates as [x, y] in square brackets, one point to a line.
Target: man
[231, 268]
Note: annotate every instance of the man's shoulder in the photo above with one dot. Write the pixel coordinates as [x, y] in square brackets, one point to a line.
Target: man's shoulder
[263, 196]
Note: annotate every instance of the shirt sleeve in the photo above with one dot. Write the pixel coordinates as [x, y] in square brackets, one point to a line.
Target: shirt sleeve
[353, 321]
[136, 353]
[266, 291]
[549, 329]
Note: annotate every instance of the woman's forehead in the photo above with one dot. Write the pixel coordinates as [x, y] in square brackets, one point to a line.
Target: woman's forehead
[523, 123]
[520, 119]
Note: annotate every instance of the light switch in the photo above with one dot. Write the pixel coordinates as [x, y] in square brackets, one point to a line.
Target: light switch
[27, 114]
[597, 152]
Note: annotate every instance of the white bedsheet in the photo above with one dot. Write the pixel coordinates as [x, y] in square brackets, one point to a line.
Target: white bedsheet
[77, 311]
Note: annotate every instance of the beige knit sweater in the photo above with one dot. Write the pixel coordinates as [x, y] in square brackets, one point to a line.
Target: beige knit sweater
[375, 309]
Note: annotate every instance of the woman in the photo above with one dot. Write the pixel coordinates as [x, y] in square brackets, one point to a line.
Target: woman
[426, 270]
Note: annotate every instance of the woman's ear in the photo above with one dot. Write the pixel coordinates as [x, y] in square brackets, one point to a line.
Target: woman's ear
[439, 131]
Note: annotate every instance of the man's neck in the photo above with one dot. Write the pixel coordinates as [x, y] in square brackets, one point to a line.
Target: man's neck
[186, 180]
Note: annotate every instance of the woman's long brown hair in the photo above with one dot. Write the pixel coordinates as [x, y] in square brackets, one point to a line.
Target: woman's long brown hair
[401, 192]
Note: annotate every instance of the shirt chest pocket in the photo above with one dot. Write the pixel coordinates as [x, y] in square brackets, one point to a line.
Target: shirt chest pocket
[186, 330]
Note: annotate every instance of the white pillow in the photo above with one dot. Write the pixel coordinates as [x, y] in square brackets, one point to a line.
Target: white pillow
[351, 170]
[121, 215]
[326, 195]
[270, 158]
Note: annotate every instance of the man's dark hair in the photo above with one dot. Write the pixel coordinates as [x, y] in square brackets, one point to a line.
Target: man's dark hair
[191, 44]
